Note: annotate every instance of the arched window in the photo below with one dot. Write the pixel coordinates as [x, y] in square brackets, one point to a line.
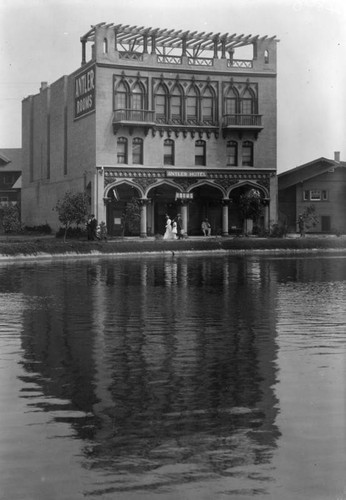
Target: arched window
[122, 150]
[176, 107]
[192, 104]
[137, 97]
[247, 154]
[232, 153]
[121, 97]
[161, 104]
[200, 157]
[137, 151]
[105, 46]
[231, 106]
[208, 105]
[168, 152]
[247, 103]
[266, 57]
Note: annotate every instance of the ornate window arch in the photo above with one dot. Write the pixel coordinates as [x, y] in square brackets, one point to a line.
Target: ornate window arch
[137, 97]
[208, 104]
[231, 103]
[161, 103]
[248, 102]
[176, 104]
[122, 96]
[192, 104]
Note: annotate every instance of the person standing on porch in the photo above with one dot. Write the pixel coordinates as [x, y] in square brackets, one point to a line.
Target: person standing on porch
[168, 233]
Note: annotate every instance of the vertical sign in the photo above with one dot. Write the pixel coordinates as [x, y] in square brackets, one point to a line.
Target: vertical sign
[84, 101]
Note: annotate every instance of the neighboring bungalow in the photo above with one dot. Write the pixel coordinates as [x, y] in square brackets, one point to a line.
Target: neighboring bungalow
[320, 183]
[10, 176]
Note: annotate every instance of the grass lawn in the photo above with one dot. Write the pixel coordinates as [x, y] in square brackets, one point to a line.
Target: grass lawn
[36, 245]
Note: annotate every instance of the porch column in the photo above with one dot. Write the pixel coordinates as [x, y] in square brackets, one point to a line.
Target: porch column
[184, 216]
[143, 222]
[266, 216]
[99, 205]
[225, 203]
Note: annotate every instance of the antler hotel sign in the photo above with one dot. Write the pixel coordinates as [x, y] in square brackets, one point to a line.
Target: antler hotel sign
[84, 101]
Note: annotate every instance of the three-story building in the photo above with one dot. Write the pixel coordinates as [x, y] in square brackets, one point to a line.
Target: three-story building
[184, 122]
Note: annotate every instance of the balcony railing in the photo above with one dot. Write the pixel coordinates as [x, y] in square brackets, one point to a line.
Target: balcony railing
[239, 63]
[242, 121]
[169, 59]
[133, 117]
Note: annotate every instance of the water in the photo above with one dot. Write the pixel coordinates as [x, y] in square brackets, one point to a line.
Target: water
[194, 378]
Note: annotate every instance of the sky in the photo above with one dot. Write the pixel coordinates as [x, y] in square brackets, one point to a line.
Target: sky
[40, 42]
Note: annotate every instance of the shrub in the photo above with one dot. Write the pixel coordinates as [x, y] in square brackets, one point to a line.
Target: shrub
[43, 229]
[10, 218]
[72, 232]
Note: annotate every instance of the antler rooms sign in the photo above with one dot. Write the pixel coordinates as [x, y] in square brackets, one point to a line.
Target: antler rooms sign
[85, 92]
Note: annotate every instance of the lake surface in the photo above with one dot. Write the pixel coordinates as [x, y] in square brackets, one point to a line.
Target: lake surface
[173, 378]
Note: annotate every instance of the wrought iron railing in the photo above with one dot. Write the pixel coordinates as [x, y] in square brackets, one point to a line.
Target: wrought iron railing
[133, 115]
[242, 120]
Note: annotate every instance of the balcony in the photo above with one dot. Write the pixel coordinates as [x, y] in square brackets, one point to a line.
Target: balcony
[132, 118]
[242, 122]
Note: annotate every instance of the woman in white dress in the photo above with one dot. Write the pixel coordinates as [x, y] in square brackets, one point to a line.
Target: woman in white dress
[168, 233]
[174, 230]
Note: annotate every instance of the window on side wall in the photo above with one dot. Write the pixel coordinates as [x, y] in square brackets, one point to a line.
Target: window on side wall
[137, 151]
[122, 150]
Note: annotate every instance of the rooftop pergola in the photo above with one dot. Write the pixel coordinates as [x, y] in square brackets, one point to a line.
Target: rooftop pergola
[188, 41]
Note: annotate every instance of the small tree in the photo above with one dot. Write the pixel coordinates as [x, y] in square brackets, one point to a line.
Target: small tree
[131, 216]
[309, 217]
[72, 209]
[10, 218]
[251, 205]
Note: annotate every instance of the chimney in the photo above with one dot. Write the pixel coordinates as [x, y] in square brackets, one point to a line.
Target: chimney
[337, 156]
[44, 85]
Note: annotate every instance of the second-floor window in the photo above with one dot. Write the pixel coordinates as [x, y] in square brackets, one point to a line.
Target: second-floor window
[137, 151]
[232, 153]
[168, 152]
[122, 150]
[200, 158]
[247, 154]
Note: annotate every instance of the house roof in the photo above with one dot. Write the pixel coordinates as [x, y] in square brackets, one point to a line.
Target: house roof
[308, 171]
[11, 160]
[173, 38]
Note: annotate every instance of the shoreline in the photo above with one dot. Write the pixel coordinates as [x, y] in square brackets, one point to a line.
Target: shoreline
[49, 248]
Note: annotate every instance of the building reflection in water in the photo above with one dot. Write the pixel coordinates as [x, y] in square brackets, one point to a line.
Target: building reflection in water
[167, 360]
